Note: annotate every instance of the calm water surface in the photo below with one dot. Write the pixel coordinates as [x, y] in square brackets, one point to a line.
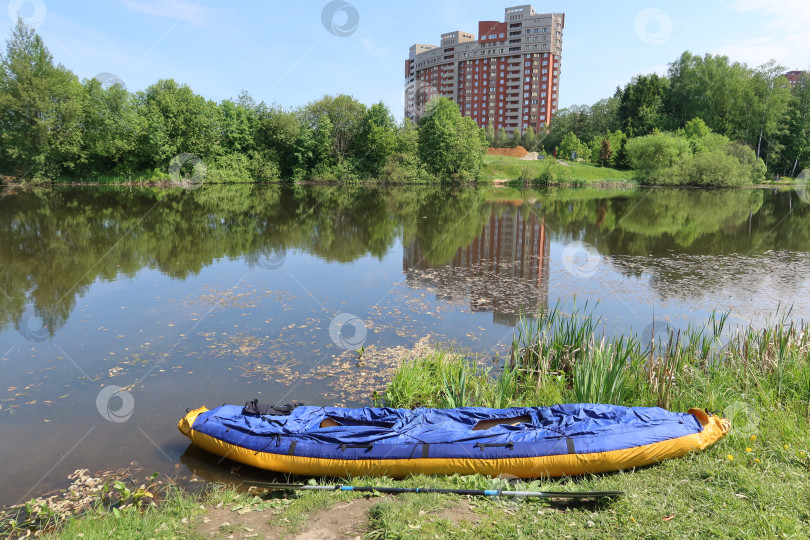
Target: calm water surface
[226, 293]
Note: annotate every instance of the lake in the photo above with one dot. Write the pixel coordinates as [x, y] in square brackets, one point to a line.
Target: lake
[122, 307]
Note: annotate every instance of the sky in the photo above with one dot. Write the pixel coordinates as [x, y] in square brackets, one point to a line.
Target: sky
[291, 53]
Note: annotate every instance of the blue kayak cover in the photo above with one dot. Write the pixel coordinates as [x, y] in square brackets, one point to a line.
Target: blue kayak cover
[463, 433]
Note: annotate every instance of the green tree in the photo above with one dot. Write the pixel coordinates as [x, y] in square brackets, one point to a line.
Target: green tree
[604, 117]
[796, 139]
[377, 140]
[40, 109]
[239, 124]
[605, 152]
[501, 139]
[640, 108]
[576, 120]
[279, 135]
[108, 122]
[569, 144]
[655, 156]
[403, 164]
[768, 108]
[709, 87]
[490, 135]
[174, 120]
[450, 146]
[618, 144]
[515, 139]
[346, 116]
[529, 139]
[696, 132]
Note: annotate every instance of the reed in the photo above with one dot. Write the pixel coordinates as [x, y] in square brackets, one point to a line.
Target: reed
[601, 376]
[563, 355]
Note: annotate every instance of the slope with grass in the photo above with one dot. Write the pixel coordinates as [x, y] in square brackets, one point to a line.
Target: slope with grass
[511, 168]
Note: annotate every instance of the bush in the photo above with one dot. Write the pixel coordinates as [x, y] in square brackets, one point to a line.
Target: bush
[551, 172]
[571, 143]
[241, 168]
[654, 157]
[401, 168]
[712, 168]
[748, 158]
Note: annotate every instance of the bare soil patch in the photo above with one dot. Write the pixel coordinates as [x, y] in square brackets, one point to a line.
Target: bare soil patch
[338, 522]
[517, 152]
[461, 512]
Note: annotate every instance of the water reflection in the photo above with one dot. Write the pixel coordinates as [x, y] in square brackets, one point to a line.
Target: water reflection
[56, 243]
[226, 293]
[502, 270]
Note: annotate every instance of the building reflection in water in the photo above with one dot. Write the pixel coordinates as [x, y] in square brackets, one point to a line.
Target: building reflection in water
[504, 269]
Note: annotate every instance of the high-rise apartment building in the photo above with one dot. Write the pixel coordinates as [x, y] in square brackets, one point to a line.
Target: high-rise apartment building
[509, 76]
[795, 77]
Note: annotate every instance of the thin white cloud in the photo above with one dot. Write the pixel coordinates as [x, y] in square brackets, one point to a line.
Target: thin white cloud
[785, 15]
[373, 49]
[791, 51]
[787, 40]
[171, 9]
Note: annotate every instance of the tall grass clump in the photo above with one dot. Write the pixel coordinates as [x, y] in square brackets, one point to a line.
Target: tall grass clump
[552, 342]
[601, 376]
[561, 355]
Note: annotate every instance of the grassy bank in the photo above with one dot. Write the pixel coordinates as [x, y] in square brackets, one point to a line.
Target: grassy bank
[511, 168]
[752, 484]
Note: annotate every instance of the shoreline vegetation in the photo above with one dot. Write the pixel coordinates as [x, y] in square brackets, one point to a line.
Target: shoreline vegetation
[654, 131]
[709, 123]
[750, 484]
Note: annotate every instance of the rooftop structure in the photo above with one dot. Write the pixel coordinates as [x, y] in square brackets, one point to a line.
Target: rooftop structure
[509, 76]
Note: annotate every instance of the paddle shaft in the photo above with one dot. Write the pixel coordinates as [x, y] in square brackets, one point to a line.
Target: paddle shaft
[475, 492]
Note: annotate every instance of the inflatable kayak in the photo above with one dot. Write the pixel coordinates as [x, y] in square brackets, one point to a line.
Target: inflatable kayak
[525, 442]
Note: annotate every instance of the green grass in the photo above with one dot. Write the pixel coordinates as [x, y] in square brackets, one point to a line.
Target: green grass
[170, 519]
[510, 168]
[751, 484]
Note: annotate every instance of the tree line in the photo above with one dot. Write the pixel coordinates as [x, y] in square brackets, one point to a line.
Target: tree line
[53, 125]
[731, 106]
[706, 117]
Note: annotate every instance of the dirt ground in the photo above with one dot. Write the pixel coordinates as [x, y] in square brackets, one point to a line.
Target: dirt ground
[345, 520]
[517, 151]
